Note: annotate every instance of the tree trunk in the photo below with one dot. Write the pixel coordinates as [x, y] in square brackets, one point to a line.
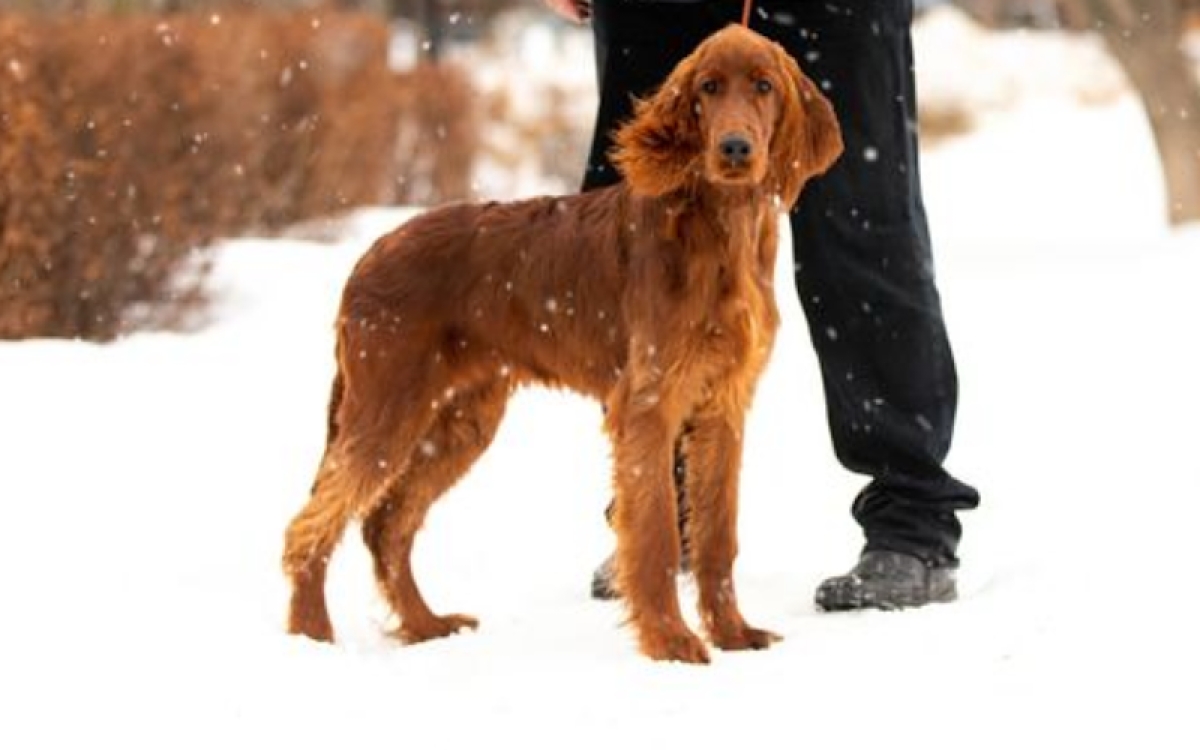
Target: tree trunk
[1146, 38]
[431, 21]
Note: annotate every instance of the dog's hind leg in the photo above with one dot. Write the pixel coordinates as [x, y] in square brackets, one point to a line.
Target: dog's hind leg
[463, 429]
[308, 543]
[358, 464]
[314, 533]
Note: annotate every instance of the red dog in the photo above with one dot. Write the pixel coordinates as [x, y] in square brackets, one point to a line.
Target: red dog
[654, 296]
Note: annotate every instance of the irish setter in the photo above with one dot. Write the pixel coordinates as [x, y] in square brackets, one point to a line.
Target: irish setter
[654, 296]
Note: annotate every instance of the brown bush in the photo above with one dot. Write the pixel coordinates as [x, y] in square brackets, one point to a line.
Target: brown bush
[438, 137]
[127, 142]
[941, 121]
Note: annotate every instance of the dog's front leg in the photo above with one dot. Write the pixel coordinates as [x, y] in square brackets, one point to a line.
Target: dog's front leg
[713, 452]
[647, 529]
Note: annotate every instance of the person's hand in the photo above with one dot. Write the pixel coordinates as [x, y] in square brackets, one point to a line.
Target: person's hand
[572, 10]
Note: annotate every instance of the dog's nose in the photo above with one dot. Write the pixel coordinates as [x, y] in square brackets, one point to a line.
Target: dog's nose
[736, 148]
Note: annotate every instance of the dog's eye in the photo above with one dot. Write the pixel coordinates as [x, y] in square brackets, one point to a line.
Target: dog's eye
[710, 87]
[763, 86]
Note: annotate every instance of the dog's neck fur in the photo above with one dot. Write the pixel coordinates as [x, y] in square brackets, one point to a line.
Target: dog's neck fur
[734, 214]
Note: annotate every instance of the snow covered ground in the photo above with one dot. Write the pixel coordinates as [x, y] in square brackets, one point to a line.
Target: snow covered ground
[144, 488]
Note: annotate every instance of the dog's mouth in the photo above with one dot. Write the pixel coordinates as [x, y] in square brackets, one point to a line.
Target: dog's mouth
[725, 172]
[736, 173]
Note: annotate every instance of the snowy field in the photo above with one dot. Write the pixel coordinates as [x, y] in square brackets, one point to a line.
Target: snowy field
[145, 486]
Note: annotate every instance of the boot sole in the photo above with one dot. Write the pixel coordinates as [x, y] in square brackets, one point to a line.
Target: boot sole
[851, 594]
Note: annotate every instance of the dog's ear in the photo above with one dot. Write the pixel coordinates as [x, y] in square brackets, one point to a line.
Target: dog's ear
[657, 151]
[808, 139]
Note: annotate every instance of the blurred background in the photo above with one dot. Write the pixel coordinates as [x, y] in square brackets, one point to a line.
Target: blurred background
[134, 133]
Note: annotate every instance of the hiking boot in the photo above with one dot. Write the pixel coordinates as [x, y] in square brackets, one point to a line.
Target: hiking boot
[604, 580]
[888, 580]
[604, 585]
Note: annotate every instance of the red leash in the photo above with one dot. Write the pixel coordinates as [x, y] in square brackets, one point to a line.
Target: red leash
[746, 6]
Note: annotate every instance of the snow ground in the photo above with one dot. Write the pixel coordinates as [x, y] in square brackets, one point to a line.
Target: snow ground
[145, 487]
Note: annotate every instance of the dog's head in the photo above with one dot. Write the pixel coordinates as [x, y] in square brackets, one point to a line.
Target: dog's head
[737, 111]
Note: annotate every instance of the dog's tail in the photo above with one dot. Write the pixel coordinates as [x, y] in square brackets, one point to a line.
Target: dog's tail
[337, 393]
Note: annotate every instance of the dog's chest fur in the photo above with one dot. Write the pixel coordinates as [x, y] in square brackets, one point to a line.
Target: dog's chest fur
[709, 303]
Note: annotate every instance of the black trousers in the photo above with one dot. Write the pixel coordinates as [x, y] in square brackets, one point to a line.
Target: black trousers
[864, 269]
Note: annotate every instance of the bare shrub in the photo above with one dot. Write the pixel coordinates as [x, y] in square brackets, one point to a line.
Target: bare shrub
[127, 142]
[943, 120]
[438, 137]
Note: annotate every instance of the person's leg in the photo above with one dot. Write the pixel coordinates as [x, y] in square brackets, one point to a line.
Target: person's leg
[865, 276]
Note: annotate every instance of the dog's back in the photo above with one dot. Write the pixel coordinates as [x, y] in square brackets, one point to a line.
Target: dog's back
[532, 286]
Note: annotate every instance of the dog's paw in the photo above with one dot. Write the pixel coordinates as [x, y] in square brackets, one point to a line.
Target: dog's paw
[307, 616]
[436, 627]
[681, 646]
[317, 631]
[745, 638]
